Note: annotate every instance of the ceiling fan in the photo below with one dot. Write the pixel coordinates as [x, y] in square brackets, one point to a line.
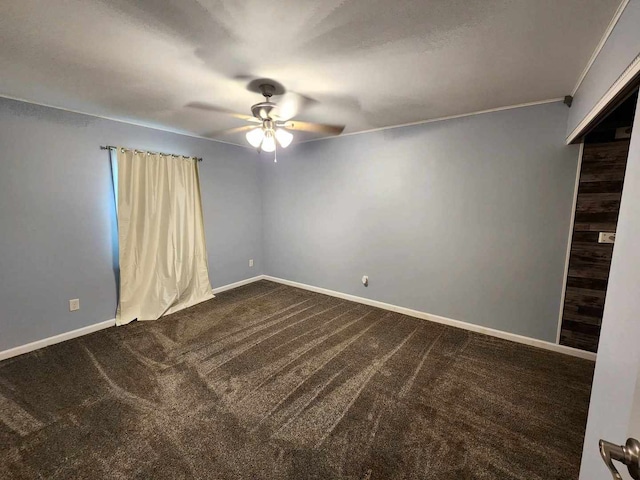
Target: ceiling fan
[272, 121]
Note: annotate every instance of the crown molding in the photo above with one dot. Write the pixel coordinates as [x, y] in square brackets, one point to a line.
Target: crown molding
[603, 40]
[186, 134]
[119, 120]
[630, 73]
[440, 119]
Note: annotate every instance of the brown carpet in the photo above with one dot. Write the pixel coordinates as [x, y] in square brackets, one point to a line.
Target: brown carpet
[272, 382]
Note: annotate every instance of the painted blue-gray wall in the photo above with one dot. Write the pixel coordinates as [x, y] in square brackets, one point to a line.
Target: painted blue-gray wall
[620, 49]
[57, 221]
[467, 218]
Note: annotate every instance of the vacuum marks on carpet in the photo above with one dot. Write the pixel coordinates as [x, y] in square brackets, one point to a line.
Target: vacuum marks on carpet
[273, 382]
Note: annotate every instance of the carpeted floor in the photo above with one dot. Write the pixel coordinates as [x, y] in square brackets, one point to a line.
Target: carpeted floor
[272, 382]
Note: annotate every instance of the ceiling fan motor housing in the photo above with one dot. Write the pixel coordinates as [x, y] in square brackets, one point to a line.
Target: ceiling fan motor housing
[264, 110]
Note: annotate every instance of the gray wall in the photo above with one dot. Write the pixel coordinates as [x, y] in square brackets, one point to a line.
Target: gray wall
[57, 220]
[620, 49]
[466, 218]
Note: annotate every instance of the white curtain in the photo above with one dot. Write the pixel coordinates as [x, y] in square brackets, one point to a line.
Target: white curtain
[162, 250]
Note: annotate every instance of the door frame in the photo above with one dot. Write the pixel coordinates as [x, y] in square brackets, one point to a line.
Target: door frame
[623, 87]
[569, 242]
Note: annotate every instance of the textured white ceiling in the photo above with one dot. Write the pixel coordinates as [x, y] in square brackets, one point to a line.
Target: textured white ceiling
[368, 63]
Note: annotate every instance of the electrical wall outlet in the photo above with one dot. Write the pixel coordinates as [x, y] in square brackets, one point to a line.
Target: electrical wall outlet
[251, 262]
[607, 237]
[623, 132]
[74, 304]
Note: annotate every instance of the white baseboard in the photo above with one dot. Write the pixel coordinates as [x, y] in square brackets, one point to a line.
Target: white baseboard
[29, 347]
[231, 286]
[45, 342]
[444, 320]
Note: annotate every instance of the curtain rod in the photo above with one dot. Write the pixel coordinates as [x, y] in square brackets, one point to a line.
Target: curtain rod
[111, 147]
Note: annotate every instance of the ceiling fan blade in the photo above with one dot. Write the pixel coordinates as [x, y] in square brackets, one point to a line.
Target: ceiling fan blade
[314, 127]
[230, 131]
[292, 104]
[214, 108]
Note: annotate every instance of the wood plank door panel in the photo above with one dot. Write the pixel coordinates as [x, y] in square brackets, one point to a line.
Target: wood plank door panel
[597, 207]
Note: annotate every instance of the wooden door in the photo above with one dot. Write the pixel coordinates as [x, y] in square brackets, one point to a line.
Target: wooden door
[597, 207]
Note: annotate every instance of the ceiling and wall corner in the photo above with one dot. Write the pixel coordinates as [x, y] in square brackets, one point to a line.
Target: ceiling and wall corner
[441, 119]
[601, 43]
[614, 64]
[369, 64]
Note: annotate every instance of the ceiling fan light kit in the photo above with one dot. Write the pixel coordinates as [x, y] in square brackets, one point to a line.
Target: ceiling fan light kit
[269, 142]
[255, 137]
[264, 137]
[284, 138]
[273, 129]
